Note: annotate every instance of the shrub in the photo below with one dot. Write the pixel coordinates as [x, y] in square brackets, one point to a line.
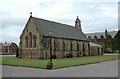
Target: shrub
[41, 58]
[107, 50]
[69, 56]
[17, 52]
[19, 57]
[77, 55]
[84, 54]
[54, 56]
[49, 66]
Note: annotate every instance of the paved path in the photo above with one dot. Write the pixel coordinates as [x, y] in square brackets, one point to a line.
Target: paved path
[103, 69]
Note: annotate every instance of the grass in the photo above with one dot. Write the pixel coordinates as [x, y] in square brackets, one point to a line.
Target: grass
[57, 63]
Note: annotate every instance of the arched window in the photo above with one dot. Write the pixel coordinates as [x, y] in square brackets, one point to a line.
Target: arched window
[109, 36]
[89, 37]
[95, 37]
[56, 44]
[26, 41]
[30, 39]
[66, 45]
[78, 46]
[71, 46]
[63, 45]
[34, 41]
[83, 49]
[101, 37]
[60, 44]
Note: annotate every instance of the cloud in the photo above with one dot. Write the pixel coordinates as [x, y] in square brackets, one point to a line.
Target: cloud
[12, 22]
[11, 34]
[92, 13]
[45, 1]
[109, 11]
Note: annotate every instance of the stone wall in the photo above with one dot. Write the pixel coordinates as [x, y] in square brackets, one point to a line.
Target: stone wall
[60, 48]
[96, 50]
[30, 28]
[68, 46]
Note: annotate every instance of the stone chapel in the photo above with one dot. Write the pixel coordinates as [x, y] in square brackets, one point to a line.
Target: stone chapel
[65, 39]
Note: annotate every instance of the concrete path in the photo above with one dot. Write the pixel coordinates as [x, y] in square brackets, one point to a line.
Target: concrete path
[103, 69]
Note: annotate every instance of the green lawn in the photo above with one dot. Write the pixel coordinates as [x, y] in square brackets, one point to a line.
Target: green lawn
[57, 63]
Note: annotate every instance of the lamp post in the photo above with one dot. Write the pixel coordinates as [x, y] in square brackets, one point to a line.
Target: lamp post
[50, 34]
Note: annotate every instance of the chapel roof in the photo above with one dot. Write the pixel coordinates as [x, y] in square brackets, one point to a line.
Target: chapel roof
[58, 29]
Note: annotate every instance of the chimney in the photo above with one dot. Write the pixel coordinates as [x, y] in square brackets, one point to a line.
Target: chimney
[106, 33]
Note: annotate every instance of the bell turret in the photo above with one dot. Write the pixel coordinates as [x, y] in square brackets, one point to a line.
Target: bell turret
[78, 23]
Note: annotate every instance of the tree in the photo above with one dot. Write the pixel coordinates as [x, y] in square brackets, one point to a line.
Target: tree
[17, 52]
[117, 41]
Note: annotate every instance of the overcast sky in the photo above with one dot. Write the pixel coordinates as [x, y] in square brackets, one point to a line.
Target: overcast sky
[95, 15]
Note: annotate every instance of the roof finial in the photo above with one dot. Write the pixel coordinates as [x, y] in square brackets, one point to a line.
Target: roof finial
[77, 16]
[30, 13]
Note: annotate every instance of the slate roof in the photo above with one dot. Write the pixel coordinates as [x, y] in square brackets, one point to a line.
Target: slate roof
[5, 44]
[94, 45]
[58, 29]
[98, 34]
